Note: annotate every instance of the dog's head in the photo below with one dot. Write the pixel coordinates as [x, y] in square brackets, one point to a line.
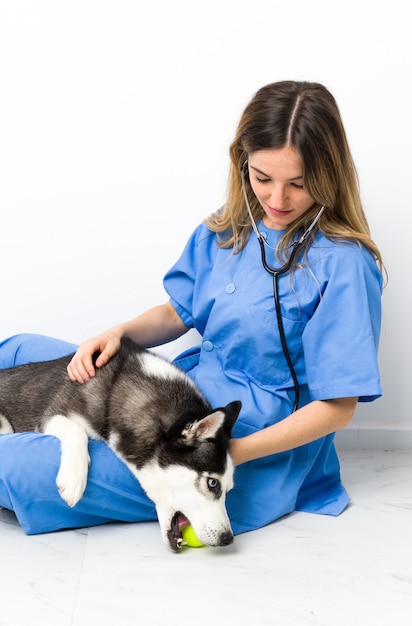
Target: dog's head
[190, 477]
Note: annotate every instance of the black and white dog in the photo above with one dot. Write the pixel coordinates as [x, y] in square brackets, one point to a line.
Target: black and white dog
[152, 416]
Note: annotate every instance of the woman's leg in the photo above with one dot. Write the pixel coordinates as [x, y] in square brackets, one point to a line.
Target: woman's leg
[28, 348]
[29, 464]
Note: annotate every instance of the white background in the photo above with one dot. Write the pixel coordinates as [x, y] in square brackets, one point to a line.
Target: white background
[116, 117]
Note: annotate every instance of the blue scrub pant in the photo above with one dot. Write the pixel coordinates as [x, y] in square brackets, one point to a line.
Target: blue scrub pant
[29, 463]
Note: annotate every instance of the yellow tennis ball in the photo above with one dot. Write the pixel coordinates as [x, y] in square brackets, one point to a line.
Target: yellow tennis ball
[189, 538]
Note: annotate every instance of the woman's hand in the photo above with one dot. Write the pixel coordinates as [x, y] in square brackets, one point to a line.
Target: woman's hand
[81, 367]
[152, 328]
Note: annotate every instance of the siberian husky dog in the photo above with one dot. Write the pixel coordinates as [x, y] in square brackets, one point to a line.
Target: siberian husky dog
[151, 415]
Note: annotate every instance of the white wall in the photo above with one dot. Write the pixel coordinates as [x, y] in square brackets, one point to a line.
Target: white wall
[116, 116]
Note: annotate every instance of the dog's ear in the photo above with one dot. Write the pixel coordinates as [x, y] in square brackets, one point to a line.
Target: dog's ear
[232, 411]
[205, 428]
[208, 427]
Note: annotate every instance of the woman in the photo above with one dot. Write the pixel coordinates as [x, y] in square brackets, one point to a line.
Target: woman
[297, 346]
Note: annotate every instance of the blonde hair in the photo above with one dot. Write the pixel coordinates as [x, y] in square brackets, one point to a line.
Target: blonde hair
[303, 115]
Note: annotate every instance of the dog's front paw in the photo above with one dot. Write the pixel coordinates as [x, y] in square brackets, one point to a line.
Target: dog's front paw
[71, 482]
[75, 460]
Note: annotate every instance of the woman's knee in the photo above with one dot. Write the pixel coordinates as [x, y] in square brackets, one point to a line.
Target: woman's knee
[29, 347]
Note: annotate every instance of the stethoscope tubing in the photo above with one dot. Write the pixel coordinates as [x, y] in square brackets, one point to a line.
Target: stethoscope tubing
[275, 273]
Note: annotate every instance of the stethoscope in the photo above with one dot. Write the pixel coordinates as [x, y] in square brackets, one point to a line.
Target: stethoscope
[275, 273]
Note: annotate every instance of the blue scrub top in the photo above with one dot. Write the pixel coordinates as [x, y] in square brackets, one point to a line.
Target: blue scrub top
[331, 315]
[331, 311]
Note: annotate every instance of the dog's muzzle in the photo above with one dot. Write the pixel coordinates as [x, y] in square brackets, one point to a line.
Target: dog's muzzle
[180, 521]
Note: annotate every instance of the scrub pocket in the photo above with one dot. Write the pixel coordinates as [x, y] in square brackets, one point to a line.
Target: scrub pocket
[189, 359]
[256, 349]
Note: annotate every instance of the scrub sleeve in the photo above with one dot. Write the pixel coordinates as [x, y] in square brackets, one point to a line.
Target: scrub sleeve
[29, 464]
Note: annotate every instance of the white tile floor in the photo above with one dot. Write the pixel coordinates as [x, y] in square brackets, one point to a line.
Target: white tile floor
[304, 569]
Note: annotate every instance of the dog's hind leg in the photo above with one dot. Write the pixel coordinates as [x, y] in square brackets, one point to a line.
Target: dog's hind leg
[74, 463]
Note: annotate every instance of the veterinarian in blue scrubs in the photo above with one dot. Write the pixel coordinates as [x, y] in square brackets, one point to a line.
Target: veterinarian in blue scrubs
[293, 203]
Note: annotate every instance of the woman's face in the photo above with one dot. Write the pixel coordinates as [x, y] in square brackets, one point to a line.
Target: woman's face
[277, 182]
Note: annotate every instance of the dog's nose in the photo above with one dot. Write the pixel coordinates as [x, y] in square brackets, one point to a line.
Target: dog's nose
[226, 538]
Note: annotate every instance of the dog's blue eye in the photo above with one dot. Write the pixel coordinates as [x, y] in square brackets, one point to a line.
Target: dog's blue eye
[212, 483]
